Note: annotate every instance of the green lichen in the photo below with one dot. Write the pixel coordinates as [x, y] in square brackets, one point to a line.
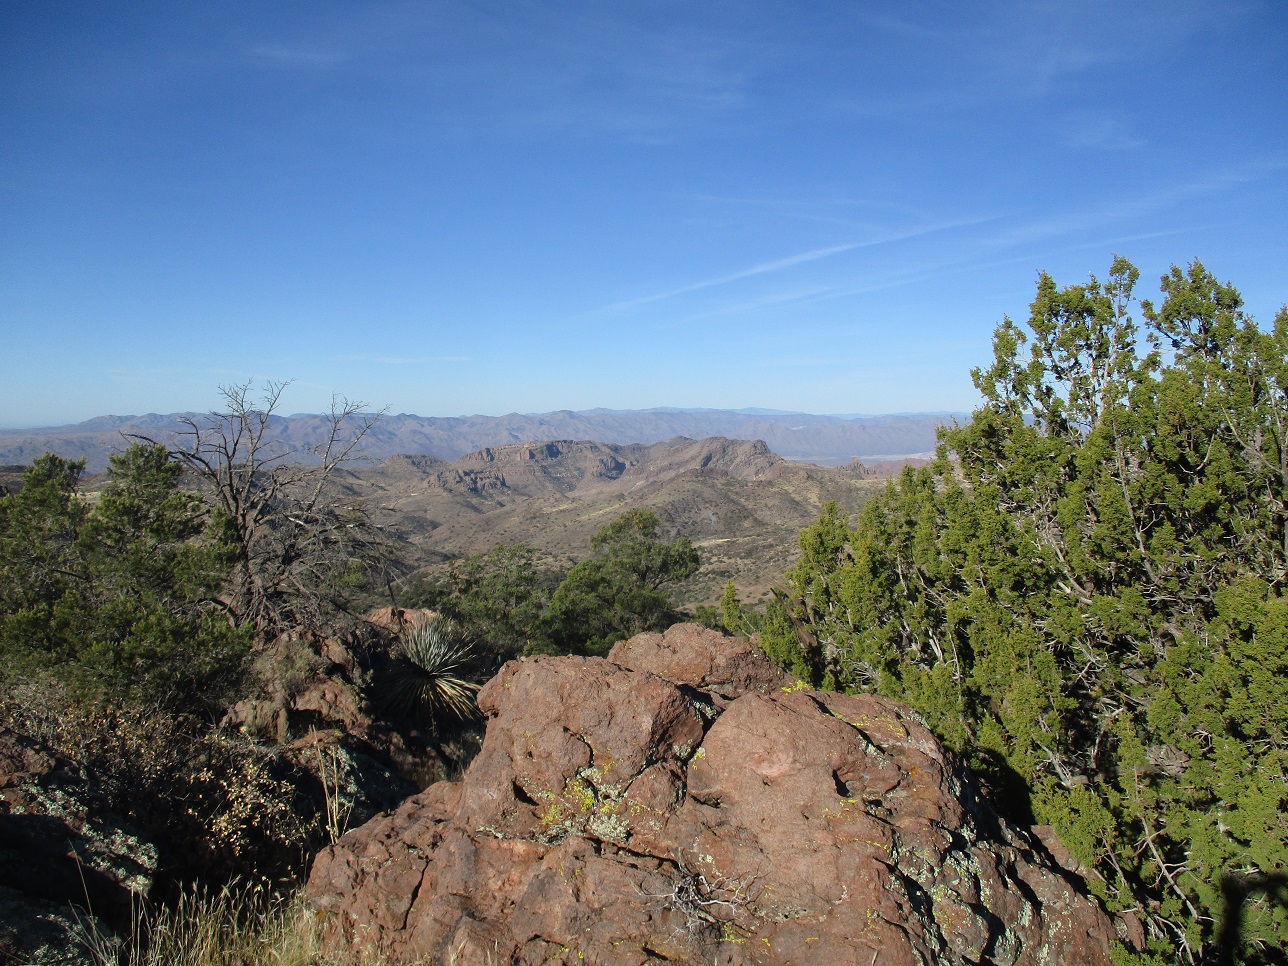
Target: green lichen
[580, 793]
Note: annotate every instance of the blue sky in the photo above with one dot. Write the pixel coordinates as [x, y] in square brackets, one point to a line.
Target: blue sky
[472, 207]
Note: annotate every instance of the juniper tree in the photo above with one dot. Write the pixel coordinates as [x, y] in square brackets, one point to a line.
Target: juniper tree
[1084, 593]
[623, 587]
[114, 596]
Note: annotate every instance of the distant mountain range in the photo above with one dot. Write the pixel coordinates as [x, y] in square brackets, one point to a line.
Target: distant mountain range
[739, 503]
[826, 440]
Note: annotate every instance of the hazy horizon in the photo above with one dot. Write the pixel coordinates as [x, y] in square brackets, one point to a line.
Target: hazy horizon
[743, 410]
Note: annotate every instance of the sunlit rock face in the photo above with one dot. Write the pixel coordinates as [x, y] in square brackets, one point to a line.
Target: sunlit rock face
[683, 801]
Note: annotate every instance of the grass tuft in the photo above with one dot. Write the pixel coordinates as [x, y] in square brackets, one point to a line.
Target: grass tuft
[244, 924]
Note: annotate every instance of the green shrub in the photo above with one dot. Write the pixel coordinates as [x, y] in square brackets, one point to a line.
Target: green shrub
[117, 598]
[1085, 594]
[623, 587]
[217, 806]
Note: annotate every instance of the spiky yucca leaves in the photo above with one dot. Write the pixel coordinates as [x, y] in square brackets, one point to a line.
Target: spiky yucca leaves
[429, 682]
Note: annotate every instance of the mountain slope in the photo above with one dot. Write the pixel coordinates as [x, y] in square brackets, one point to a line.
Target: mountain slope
[740, 503]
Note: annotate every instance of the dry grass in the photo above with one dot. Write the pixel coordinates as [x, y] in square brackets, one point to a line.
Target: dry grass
[337, 810]
[217, 804]
[211, 928]
[239, 925]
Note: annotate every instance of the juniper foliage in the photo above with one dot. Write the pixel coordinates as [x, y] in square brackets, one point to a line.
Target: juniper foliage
[112, 595]
[1085, 595]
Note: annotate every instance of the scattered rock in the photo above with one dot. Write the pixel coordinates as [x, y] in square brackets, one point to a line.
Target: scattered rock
[397, 619]
[36, 932]
[308, 682]
[677, 803]
[58, 839]
[60, 847]
[352, 782]
[312, 704]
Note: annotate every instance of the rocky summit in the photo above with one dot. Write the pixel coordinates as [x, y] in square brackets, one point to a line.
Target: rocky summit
[684, 801]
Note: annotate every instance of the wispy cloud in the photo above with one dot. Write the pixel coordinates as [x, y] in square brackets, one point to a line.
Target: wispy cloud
[404, 360]
[1099, 132]
[1213, 182]
[886, 24]
[1012, 52]
[764, 268]
[849, 212]
[149, 374]
[791, 261]
[605, 72]
[772, 300]
[804, 362]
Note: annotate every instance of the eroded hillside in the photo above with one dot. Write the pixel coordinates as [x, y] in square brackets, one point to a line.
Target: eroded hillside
[741, 504]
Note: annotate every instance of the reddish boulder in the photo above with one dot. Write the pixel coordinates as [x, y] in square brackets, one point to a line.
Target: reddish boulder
[695, 655]
[307, 683]
[395, 620]
[616, 816]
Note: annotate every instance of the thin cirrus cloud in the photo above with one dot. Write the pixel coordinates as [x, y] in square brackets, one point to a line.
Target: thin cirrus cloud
[604, 73]
[772, 300]
[967, 261]
[1167, 197]
[853, 213]
[763, 268]
[296, 56]
[405, 360]
[1021, 53]
[1099, 132]
[791, 261]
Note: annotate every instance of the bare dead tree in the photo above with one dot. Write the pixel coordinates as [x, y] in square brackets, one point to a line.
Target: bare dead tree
[295, 539]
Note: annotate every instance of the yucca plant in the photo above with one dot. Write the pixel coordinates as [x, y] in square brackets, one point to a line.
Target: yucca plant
[429, 681]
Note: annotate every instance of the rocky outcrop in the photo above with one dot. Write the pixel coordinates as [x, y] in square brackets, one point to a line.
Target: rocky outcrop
[58, 838]
[60, 846]
[312, 704]
[36, 932]
[396, 620]
[688, 654]
[684, 802]
[307, 682]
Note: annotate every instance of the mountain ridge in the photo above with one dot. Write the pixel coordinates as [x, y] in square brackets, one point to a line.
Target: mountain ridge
[805, 437]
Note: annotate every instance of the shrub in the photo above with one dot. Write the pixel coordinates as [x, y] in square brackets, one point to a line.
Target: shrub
[115, 598]
[1086, 594]
[218, 807]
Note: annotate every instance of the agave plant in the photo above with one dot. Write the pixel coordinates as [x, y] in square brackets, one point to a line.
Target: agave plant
[428, 681]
